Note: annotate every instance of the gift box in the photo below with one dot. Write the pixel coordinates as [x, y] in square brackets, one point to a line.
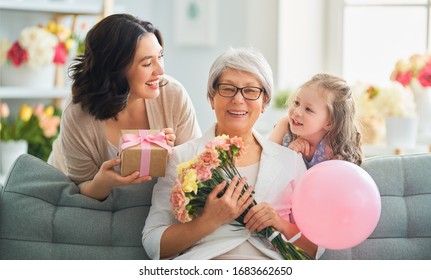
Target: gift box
[145, 151]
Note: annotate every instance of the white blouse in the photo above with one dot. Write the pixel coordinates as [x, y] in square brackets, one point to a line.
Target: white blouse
[246, 250]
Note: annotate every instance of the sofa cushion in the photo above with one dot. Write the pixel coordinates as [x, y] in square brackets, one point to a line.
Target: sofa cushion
[43, 216]
[404, 228]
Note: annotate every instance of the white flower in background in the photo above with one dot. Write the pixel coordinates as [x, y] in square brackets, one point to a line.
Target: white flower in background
[40, 45]
[365, 95]
[391, 100]
[374, 104]
[396, 100]
[5, 45]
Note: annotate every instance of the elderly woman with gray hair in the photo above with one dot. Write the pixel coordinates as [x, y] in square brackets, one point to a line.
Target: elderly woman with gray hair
[240, 85]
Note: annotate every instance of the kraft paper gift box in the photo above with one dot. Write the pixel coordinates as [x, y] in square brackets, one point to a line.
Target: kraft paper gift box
[145, 151]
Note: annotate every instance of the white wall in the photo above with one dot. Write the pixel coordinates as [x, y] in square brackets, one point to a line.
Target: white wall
[290, 33]
[240, 23]
[301, 47]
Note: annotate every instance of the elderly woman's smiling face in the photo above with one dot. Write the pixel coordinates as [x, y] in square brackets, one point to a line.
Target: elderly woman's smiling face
[237, 115]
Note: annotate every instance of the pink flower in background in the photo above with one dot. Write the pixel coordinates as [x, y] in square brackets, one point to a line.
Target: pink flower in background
[4, 110]
[404, 78]
[424, 76]
[40, 45]
[17, 55]
[417, 67]
[60, 56]
[49, 125]
[38, 125]
[38, 110]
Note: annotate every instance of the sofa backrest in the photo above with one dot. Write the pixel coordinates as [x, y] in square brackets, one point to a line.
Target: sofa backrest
[404, 228]
[43, 216]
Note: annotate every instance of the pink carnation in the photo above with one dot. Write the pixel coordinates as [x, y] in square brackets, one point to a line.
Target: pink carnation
[183, 216]
[210, 157]
[179, 202]
[239, 143]
[218, 143]
[203, 172]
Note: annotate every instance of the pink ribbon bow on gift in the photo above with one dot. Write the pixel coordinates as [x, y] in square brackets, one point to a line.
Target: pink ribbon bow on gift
[143, 138]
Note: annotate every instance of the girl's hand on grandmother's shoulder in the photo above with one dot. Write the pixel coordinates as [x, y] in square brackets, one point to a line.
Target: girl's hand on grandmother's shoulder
[300, 145]
[170, 136]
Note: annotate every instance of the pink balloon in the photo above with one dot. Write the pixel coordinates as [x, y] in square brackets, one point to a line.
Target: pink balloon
[336, 204]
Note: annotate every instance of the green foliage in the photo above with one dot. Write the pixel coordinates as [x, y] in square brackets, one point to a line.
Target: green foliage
[39, 127]
[80, 44]
[41, 146]
[280, 99]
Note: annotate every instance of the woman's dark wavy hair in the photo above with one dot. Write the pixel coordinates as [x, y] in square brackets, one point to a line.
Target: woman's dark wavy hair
[99, 75]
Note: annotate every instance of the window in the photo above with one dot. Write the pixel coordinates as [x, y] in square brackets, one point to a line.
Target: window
[376, 33]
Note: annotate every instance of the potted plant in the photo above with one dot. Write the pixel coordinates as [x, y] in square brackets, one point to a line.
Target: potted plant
[415, 73]
[32, 131]
[273, 112]
[390, 108]
[35, 53]
[281, 98]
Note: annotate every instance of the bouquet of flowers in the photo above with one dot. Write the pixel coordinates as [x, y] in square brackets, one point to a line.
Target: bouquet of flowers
[416, 68]
[197, 178]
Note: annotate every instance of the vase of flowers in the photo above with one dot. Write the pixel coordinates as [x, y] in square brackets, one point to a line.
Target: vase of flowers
[393, 108]
[415, 73]
[33, 57]
[36, 126]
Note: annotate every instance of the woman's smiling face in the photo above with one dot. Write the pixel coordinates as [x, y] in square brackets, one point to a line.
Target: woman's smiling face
[147, 68]
[236, 115]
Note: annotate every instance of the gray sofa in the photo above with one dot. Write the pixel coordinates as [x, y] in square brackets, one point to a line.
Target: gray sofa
[43, 216]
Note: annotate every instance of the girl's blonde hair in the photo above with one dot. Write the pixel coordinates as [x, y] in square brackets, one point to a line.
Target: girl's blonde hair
[343, 136]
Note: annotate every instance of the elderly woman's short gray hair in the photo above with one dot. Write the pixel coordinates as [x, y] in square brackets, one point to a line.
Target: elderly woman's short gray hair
[243, 59]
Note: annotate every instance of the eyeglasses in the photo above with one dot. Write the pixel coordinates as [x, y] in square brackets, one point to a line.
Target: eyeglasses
[249, 93]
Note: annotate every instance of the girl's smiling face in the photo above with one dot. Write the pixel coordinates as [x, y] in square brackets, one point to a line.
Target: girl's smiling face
[309, 115]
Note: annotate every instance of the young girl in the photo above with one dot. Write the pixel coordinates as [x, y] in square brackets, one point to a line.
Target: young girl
[321, 122]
